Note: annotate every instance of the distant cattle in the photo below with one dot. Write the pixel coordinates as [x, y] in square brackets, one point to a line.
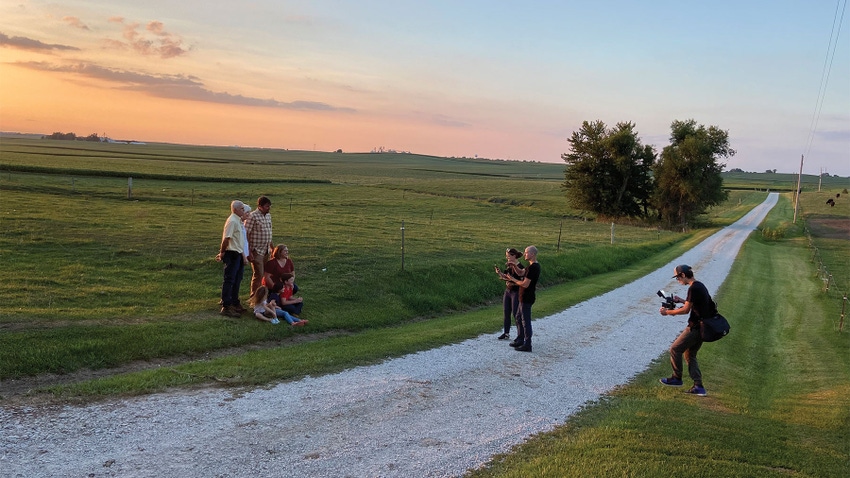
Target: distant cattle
[831, 202]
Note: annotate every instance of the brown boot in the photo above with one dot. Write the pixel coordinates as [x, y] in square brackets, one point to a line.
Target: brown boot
[229, 311]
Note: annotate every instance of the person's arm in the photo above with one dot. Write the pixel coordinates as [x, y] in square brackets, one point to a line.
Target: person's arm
[523, 281]
[224, 243]
[685, 309]
[518, 270]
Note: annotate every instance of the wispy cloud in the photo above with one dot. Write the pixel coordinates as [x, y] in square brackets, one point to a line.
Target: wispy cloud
[76, 23]
[153, 40]
[23, 43]
[838, 135]
[444, 120]
[179, 87]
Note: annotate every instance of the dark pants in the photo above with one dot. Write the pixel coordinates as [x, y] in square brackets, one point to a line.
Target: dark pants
[234, 266]
[294, 309]
[523, 324]
[510, 301]
[687, 344]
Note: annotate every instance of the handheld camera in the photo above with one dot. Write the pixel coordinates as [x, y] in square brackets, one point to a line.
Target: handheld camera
[668, 302]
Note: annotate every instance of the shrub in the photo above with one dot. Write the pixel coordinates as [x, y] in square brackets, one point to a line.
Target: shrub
[774, 234]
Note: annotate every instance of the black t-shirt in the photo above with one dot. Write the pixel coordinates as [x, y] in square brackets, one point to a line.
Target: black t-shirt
[527, 295]
[510, 272]
[701, 303]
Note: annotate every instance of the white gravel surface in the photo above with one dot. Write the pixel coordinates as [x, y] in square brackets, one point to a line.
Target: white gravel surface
[431, 414]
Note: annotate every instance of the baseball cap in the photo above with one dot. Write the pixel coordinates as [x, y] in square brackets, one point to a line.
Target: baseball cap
[681, 269]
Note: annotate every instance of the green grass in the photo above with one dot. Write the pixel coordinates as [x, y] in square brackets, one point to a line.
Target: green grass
[95, 280]
[98, 280]
[830, 231]
[365, 347]
[779, 391]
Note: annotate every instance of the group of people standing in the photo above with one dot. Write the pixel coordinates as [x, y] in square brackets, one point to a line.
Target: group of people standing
[520, 294]
[247, 238]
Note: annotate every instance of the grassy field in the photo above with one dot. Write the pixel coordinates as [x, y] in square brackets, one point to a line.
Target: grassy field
[779, 390]
[102, 281]
[115, 296]
[829, 227]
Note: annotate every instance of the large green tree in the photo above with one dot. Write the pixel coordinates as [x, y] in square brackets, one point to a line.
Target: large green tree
[687, 176]
[608, 171]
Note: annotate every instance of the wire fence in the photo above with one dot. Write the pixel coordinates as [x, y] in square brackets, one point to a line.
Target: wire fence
[830, 287]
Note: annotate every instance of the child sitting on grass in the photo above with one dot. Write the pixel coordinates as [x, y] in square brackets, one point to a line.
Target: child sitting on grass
[267, 310]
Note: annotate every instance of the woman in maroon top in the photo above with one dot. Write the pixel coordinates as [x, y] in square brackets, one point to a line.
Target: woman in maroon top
[276, 267]
[275, 272]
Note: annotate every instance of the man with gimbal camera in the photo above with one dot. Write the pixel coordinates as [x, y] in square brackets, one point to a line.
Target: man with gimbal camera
[699, 304]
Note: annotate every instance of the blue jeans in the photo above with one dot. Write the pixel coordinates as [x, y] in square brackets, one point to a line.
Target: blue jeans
[294, 309]
[510, 302]
[234, 266]
[523, 324]
[282, 314]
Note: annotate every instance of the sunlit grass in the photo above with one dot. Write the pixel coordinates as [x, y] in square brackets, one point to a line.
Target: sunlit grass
[778, 385]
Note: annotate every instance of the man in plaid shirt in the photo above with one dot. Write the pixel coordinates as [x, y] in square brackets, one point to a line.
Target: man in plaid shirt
[258, 226]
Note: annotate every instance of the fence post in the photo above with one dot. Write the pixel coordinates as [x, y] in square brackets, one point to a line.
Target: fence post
[560, 228]
[130, 188]
[402, 245]
[843, 307]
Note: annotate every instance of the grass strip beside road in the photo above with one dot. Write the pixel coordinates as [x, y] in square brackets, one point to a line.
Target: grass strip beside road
[779, 392]
[336, 353]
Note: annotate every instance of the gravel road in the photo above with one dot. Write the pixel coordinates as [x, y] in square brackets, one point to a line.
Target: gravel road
[431, 414]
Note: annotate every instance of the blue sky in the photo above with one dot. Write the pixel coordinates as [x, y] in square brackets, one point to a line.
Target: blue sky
[508, 80]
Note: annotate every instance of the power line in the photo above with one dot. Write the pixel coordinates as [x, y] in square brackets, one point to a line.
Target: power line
[827, 69]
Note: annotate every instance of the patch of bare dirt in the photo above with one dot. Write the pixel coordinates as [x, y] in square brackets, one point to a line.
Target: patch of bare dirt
[830, 227]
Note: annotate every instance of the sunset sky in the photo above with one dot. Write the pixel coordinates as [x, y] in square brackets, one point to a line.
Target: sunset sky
[496, 79]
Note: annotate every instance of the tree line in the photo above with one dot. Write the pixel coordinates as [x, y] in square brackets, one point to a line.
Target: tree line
[611, 173]
[72, 137]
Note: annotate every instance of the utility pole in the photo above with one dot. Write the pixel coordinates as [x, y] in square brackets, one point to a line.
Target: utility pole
[797, 192]
[820, 178]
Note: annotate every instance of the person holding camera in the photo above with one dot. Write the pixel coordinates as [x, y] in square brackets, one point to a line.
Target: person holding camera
[510, 300]
[527, 295]
[698, 304]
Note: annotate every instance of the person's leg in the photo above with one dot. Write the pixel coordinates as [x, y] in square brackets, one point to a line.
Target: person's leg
[687, 339]
[520, 329]
[507, 308]
[691, 360]
[523, 340]
[227, 285]
[282, 314]
[257, 263]
[237, 281]
[526, 323]
[294, 309]
[515, 305]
